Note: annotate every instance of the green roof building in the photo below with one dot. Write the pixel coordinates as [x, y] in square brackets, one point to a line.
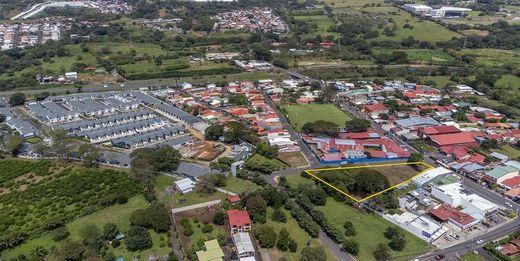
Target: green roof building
[213, 252]
[501, 173]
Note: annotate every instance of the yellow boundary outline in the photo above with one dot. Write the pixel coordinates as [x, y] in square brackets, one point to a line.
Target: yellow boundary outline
[310, 173]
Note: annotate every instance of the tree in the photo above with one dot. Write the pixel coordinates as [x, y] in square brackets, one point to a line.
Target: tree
[357, 125]
[214, 132]
[382, 253]
[283, 240]
[62, 144]
[416, 157]
[110, 231]
[70, 250]
[313, 254]
[398, 243]
[219, 218]
[16, 99]
[13, 144]
[266, 236]
[350, 230]
[351, 246]
[256, 206]
[392, 232]
[321, 127]
[89, 154]
[138, 239]
[147, 162]
[60, 233]
[2, 118]
[39, 252]
[207, 228]
[279, 216]
[155, 217]
[267, 151]
[490, 144]
[92, 236]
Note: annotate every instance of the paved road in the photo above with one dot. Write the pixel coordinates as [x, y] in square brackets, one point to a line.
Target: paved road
[470, 245]
[294, 135]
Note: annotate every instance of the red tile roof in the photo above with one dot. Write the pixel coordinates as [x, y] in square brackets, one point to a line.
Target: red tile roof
[377, 154]
[446, 212]
[509, 249]
[440, 130]
[453, 138]
[238, 218]
[375, 107]
[233, 198]
[513, 193]
[512, 182]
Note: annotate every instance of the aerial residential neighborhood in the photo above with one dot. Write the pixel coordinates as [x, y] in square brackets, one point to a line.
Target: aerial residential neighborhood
[260, 130]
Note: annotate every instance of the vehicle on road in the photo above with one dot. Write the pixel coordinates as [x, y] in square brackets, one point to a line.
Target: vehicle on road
[509, 204]
[105, 86]
[439, 257]
[480, 241]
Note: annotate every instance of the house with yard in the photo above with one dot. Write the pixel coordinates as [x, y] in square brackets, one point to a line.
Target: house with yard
[184, 185]
[239, 221]
[211, 252]
[244, 246]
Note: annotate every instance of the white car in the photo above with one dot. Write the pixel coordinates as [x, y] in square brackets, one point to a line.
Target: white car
[105, 86]
[480, 241]
[509, 204]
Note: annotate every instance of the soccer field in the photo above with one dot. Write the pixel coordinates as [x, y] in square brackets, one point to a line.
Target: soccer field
[300, 114]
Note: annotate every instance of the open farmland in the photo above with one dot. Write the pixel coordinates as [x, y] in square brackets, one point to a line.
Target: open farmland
[52, 191]
[100, 218]
[300, 114]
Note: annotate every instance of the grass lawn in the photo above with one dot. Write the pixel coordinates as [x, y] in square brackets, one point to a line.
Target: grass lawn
[323, 23]
[118, 214]
[140, 48]
[198, 235]
[300, 114]
[258, 159]
[423, 56]
[423, 30]
[508, 150]
[472, 257]
[239, 186]
[296, 179]
[338, 213]
[34, 140]
[494, 57]
[296, 233]
[192, 198]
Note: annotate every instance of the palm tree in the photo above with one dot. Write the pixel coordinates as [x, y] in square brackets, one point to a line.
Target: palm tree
[39, 251]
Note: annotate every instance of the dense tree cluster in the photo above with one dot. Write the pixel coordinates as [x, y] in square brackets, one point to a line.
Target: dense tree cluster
[85, 190]
[148, 162]
[321, 127]
[361, 184]
[155, 217]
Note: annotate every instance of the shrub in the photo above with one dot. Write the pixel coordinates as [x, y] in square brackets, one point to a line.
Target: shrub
[207, 228]
[219, 218]
[59, 234]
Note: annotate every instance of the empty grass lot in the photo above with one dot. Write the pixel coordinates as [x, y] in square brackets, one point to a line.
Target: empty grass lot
[239, 186]
[322, 21]
[295, 232]
[300, 114]
[370, 228]
[118, 214]
[494, 57]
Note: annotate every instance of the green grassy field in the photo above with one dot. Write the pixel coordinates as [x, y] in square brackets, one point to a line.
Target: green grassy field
[258, 159]
[338, 213]
[472, 257]
[300, 114]
[322, 21]
[508, 150]
[495, 57]
[423, 30]
[118, 214]
[298, 234]
[423, 56]
[239, 186]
